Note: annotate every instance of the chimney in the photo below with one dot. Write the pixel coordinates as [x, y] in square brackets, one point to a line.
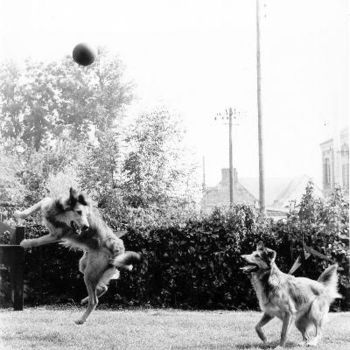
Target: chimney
[225, 176]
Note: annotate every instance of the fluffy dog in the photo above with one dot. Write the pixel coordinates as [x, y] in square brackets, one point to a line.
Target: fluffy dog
[290, 298]
[74, 222]
[60, 216]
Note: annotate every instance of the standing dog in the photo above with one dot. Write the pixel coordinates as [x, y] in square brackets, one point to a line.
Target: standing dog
[290, 298]
[104, 252]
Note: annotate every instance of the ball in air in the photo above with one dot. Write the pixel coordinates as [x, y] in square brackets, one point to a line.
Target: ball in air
[84, 54]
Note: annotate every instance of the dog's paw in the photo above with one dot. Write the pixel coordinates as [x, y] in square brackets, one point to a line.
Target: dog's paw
[116, 275]
[129, 267]
[26, 244]
[312, 342]
[80, 321]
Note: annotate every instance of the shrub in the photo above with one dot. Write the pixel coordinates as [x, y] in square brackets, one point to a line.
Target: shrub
[197, 265]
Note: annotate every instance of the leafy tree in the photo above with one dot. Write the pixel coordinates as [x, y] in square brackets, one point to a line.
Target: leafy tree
[11, 189]
[50, 111]
[322, 225]
[100, 171]
[60, 183]
[156, 170]
[42, 100]
[11, 104]
[141, 179]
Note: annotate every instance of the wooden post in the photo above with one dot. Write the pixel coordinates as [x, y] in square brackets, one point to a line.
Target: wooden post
[12, 255]
[17, 236]
[17, 270]
[17, 278]
[230, 155]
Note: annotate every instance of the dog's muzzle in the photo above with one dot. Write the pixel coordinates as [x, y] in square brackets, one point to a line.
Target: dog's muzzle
[78, 229]
[85, 228]
[251, 267]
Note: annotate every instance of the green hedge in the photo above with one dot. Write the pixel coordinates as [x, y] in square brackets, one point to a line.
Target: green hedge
[197, 265]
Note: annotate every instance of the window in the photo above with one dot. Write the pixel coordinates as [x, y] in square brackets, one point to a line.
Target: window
[345, 175]
[345, 166]
[326, 172]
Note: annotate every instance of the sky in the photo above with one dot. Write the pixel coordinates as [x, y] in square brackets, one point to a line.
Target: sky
[199, 57]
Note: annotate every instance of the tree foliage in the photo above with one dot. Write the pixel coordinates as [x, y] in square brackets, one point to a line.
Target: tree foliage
[152, 165]
[138, 176]
[50, 112]
[42, 100]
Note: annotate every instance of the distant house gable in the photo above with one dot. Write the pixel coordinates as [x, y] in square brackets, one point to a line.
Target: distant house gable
[219, 196]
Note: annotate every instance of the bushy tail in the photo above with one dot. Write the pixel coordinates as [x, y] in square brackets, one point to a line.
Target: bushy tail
[329, 278]
[124, 261]
[23, 214]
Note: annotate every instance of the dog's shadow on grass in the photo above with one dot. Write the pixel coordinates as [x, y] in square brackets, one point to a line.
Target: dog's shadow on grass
[270, 345]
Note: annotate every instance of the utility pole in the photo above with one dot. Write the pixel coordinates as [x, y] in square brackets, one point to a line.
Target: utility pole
[259, 105]
[229, 113]
[204, 186]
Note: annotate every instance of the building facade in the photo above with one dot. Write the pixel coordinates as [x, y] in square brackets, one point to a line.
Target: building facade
[335, 163]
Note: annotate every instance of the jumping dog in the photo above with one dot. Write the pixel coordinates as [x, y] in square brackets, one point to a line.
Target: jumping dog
[74, 222]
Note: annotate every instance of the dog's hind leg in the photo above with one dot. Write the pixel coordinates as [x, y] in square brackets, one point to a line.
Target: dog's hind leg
[318, 313]
[83, 262]
[264, 320]
[102, 285]
[96, 264]
[318, 332]
[100, 290]
[314, 341]
[92, 298]
[303, 324]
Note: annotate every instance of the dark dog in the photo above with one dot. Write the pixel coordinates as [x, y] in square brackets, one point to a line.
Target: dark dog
[290, 298]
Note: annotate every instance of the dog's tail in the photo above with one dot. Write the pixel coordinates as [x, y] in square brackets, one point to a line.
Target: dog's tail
[124, 261]
[23, 214]
[329, 278]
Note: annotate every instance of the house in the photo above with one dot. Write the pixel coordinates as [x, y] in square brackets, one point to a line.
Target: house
[279, 193]
[219, 196]
[294, 191]
[335, 163]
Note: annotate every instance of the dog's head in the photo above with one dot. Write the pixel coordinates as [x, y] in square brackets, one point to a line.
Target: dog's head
[261, 259]
[77, 209]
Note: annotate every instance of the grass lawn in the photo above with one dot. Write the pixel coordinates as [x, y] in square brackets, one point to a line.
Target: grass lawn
[47, 328]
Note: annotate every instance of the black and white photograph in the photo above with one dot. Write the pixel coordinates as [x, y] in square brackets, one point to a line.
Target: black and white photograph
[174, 174]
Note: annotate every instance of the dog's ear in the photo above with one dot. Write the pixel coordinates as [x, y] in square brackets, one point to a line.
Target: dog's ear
[82, 199]
[260, 246]
[270, 255]
[72, 193]
[73, 198]
[61, 205]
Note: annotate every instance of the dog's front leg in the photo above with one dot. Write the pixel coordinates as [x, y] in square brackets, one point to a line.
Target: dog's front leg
[287, 320]
[265, 319]
[35, 242]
